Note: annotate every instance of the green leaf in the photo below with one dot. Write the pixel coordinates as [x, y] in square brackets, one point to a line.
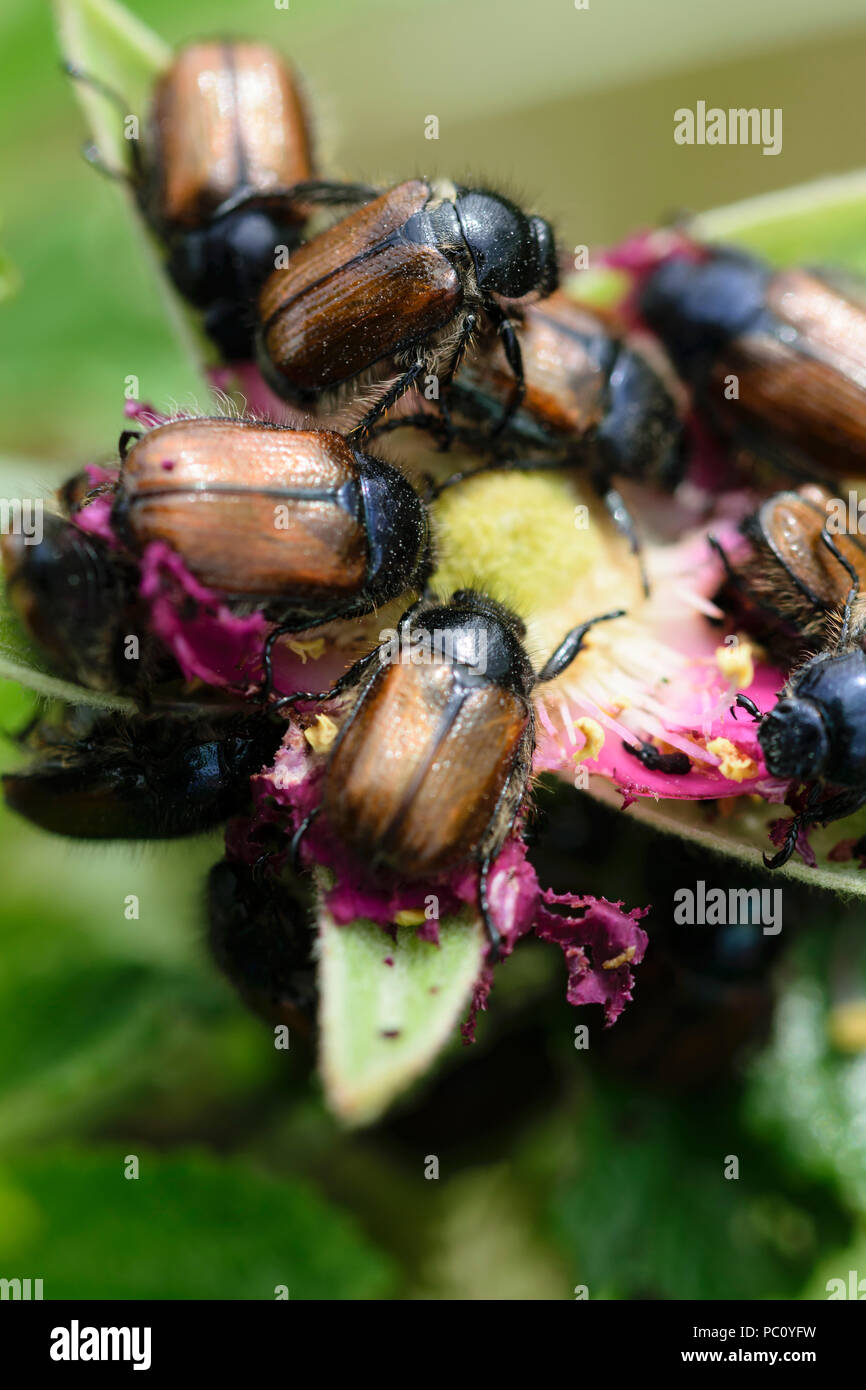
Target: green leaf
[382, 1025]
[187, 1227]
[808, 1088]
[9, 277]
[838, 1266]
[96, 1010]
[649, 1212]
[744, 835]
[822, 222]
[107, 42]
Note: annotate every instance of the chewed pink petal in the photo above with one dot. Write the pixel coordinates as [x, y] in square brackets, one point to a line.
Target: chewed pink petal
[480, 997]
[674, 694]
[95, 518]
[643, 252]
[600, 946]
[146, 415]
[208, 641]
[214, 644]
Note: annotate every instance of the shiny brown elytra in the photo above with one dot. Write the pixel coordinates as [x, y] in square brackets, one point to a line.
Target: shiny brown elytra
[227, 118]
[432, 764]
[224, 176]
[401, 285]
[797, 574]
[593, 399]
[777, 359]
[296, 521]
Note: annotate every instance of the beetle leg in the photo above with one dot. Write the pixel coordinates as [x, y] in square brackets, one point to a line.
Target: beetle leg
[570, 646]
[349, 677]
[852, 592]
[805, 817]
[470, 323]
[484, 904]
[325, 191]
[359, 433]
[281, 630]
[331, 193]
[514, 358]
[421, 421]
[125, 440]
[91, 153]
[295, 846]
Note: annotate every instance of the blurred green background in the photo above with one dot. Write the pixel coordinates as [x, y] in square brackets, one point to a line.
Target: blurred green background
[558, 1167]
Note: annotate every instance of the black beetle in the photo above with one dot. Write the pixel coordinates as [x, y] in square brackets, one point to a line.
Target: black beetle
[153, 776]
[816, 733]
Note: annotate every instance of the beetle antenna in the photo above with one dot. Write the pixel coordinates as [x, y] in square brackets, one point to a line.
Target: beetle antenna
[744, 702]
[570, 646]
[730, 573]
[295, 846]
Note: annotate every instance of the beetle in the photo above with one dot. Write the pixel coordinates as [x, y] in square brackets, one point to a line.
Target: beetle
[593, 398]
[261, 937]
[792, 580]
[76, 596]
[815, 734]
[298, 522]
[431, 766]
[776, 358]
[150, 776]
[402, 284]
[224, 176]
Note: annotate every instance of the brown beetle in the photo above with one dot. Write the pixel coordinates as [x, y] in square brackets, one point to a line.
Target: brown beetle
[798, 572]
[295, 521]
[432, 764]
[592, 398]
[401, 285]
[224, 176]
[776, 358]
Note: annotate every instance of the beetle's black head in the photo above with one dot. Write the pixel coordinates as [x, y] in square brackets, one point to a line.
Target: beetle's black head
[482, 636]
[697, 307]
[398, 531]
[641, 435]
[794, 739]
[513, 255]
[220, 268]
